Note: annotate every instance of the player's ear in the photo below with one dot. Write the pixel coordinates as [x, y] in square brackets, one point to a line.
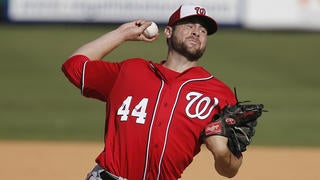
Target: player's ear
[168, 31]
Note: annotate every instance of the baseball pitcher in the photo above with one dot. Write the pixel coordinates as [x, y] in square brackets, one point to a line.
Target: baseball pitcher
[158, 114]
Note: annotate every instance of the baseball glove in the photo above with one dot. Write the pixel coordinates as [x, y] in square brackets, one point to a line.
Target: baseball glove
[237, 123]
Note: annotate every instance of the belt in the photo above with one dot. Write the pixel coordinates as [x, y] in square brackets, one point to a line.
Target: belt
[104, 175]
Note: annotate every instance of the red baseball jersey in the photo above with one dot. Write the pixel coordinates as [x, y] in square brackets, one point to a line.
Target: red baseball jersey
[154, 116]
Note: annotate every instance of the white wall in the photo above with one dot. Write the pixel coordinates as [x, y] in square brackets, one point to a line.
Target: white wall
[282, 14]
[251, 14]
[224, 11]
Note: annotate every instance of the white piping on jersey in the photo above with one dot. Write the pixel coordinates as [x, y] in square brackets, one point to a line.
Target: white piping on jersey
[170, 119]
[150, 130]
[82, 78]
[168, 125]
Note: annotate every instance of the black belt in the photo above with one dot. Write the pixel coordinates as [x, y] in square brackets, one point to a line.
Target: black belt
[105, 176]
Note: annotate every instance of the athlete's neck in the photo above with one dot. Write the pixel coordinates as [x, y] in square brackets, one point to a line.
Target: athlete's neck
[178, 63]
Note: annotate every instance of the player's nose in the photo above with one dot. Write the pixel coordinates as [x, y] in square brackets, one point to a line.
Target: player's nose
[196, 33]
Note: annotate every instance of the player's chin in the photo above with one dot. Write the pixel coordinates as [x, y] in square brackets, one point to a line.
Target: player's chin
[193, 56]
[196, 52]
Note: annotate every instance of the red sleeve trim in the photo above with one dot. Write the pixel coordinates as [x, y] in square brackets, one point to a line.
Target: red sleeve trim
[73, 69]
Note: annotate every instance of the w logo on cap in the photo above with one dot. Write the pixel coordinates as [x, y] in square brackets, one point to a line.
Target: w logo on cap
[190, 10]
[200, 10]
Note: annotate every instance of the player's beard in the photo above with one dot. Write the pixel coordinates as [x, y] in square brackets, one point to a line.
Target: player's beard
[182, 48]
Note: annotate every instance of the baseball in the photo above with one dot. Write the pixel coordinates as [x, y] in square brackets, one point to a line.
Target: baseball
[151, 31]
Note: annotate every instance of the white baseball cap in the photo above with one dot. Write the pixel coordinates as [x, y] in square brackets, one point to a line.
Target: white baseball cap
[191, 10]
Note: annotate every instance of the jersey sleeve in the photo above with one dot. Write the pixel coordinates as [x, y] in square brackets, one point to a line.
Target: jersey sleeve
[230, 97]
[94, 78]
[73, 67]
[226, 95]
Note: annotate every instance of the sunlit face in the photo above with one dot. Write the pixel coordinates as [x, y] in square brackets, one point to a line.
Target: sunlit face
[189, 39]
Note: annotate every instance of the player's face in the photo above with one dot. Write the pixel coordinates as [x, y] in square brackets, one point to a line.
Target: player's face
[189, 39]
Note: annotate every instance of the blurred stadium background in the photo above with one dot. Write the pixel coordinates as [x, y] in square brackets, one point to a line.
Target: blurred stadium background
[268, 49]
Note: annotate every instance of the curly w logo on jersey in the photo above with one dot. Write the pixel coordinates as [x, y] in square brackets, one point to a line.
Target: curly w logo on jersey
[200, 106]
